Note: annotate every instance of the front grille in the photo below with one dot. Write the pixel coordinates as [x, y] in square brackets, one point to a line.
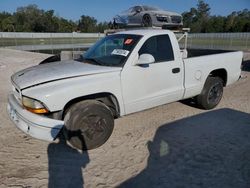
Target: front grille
[176, 19]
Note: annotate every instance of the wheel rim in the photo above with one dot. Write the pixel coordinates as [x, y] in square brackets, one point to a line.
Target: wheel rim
[146, 20]
[215, 94]
[93, 127]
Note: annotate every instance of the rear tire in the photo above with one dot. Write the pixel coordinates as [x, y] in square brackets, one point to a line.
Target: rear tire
[211, 93]
[88, 124]
[146, 21]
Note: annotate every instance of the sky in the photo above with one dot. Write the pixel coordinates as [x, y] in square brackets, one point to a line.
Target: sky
[105, 10]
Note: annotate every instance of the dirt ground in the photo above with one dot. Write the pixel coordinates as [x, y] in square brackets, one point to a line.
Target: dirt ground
[174, 145]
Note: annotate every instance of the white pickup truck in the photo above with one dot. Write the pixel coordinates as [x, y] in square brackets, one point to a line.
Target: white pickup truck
[123, 73]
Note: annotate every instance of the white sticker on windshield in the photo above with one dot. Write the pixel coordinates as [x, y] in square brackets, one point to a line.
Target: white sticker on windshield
[120, 52]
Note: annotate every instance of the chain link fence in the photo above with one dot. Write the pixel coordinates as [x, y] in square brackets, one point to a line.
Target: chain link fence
[54, 42]
[48, 42]
[219, 41]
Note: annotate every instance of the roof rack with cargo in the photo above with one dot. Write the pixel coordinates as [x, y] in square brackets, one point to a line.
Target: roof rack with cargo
[180, 33]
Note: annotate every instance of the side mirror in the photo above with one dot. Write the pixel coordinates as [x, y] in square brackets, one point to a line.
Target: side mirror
[145, 59]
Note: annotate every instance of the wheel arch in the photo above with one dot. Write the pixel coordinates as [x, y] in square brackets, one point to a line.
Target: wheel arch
[221, 73]
[146, 14]
[108, 99]
[143, 17]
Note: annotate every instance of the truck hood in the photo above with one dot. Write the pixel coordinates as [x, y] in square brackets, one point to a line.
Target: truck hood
[45, 73]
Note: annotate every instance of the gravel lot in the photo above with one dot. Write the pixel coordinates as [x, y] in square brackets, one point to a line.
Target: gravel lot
[174, 145]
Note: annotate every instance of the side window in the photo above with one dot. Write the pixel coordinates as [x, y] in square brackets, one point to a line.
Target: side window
[133, 10]
[160, 47]
[137, 9]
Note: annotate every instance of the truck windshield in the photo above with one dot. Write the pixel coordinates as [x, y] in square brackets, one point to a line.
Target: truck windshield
[112, 50]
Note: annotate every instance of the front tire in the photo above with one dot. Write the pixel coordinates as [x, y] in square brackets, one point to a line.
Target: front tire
[88, 124]
[211, 93]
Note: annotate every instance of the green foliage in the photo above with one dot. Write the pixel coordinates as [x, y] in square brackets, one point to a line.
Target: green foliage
[215, 24]
[238, 21]
[203, 10]
[8, 24]
[87, 24]
[4, 20]
[33, 19]
[65, 25]
[199, 20]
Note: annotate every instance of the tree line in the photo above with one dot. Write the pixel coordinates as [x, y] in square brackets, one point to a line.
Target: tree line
[199, 20]
[32, 19]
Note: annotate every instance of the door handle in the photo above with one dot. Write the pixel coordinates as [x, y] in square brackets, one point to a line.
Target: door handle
[176, 70]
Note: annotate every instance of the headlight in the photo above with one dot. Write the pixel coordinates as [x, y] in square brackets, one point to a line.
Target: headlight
[33, 105]
[161, 18]
[161, 15]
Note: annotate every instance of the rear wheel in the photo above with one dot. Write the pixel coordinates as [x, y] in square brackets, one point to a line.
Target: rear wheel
[211, 93]
[88, 124]
[146, 21]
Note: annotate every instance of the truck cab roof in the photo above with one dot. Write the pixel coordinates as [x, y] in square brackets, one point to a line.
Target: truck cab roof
[145, 32]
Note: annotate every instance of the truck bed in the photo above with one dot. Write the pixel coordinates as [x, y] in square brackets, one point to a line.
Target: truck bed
[202, 52]
[202, 63]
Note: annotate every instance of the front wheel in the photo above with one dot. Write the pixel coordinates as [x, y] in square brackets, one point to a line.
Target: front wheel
[211, 93]
[88, 124]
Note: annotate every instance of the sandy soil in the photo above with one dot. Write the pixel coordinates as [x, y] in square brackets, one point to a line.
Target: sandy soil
[174, 145]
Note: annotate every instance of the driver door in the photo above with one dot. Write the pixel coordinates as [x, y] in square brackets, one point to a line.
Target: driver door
[153, 84]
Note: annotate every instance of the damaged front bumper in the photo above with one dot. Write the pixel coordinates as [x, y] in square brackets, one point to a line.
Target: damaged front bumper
[37, 126]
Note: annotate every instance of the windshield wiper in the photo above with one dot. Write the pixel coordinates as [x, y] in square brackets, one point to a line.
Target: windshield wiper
[93, 60]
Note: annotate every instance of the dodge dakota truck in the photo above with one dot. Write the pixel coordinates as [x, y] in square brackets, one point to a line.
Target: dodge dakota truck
[123, 73]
